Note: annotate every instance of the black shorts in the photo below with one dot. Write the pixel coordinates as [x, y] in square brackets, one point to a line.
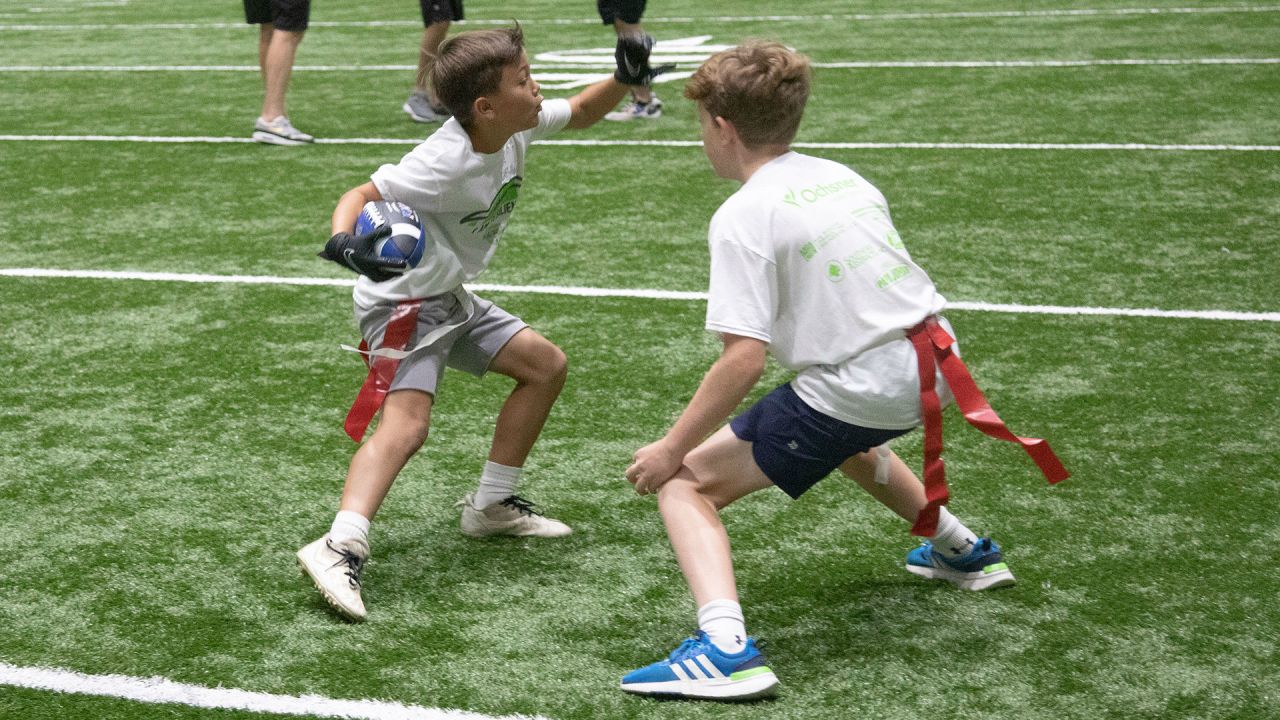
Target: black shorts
[291, 15]
[795, 445]
[434, 11]
[628, 11]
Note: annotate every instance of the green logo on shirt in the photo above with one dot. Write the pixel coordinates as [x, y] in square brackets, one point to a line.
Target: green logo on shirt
[817, 193]
[491, 221]
[894, 274]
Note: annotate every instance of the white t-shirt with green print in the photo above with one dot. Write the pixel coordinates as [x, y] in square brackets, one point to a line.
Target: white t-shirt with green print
[804, 256]
[464, 199]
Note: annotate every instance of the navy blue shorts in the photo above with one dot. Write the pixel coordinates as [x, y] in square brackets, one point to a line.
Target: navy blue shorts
[795, 445]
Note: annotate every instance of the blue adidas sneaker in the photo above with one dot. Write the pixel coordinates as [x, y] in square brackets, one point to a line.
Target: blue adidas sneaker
[698, 669]
[982, 568]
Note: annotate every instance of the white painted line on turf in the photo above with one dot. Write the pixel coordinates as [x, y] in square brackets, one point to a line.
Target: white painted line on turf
[1132, 147]
[642, 293]
[835, 65]
[1132, 62]
[160, 690]
[588, 20]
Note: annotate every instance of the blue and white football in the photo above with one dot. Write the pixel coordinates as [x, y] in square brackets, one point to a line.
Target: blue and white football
[407, 240]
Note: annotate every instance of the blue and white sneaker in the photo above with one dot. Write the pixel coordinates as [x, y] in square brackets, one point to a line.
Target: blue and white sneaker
[982, 568]
[698, 669]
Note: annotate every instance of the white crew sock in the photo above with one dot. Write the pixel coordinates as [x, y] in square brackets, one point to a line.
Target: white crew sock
[722, 621]
[497, 483]
[953, 539]
[348, 525]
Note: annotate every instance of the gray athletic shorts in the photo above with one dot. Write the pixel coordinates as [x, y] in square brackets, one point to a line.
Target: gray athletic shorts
[470, 347]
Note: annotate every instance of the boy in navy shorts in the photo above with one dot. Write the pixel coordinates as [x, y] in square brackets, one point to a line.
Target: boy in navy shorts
[806, 266]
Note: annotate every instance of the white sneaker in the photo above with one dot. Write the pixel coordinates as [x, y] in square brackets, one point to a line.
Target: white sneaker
[279, 132]
[513, 516]
[335, 569]
[636, 110]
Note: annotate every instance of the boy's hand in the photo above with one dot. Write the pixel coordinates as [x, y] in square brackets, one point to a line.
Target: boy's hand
[654, 464]
[355, 252]
[632, 56]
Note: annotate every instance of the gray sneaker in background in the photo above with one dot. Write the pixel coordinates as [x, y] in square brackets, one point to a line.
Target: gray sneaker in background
[421, 110]
[279, 132]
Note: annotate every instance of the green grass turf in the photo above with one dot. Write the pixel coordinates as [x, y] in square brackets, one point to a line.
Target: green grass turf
[1069, 228]
[1020, 105]
[199, 444]
[169, 446]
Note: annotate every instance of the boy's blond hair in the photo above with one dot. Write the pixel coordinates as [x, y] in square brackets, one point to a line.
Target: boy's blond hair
[760, 86]
[469, 65]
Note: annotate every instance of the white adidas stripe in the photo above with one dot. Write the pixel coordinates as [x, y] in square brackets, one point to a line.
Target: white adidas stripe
[694, 669]
[709, 667]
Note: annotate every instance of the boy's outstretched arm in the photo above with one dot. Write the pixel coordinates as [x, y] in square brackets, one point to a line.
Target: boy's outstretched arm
[728, 381]
[590, 105]
[632, 57]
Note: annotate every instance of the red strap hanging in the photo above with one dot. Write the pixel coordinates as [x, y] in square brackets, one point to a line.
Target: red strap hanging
[932, 342]
[382, 370]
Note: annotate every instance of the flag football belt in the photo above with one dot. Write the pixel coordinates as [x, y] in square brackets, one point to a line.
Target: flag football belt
[934, 344]
[385, 360]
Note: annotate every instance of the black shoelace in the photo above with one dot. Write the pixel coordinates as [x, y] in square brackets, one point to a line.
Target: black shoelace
[354, 563]
[520, 505]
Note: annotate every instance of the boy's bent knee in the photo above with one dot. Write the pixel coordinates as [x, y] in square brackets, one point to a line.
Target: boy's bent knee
[548, 365]
[403, 438]
[685, 486]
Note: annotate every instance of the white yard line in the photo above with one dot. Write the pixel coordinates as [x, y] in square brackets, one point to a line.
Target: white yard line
[659, 20]
[163, 691]
[650, 294]
[841, 65]
[1129, 147]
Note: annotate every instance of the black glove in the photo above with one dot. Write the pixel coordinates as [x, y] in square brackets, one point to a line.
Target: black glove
[632, 56]
[355, 252]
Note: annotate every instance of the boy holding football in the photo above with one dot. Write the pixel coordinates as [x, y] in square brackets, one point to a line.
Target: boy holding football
[806, 265]
[462, 182]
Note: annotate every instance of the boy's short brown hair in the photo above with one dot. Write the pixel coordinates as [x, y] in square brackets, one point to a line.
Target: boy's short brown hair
[469, 65]
[761, 87]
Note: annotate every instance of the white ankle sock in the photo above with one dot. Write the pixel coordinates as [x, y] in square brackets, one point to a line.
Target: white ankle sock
[497, 483]
[953, 539]
[722, 621]
[348, 525]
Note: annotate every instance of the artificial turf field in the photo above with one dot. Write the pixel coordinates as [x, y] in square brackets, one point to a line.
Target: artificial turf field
[168, 445]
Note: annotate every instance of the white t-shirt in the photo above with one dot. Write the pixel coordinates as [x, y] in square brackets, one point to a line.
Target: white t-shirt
[805, 257]
[464, 199]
